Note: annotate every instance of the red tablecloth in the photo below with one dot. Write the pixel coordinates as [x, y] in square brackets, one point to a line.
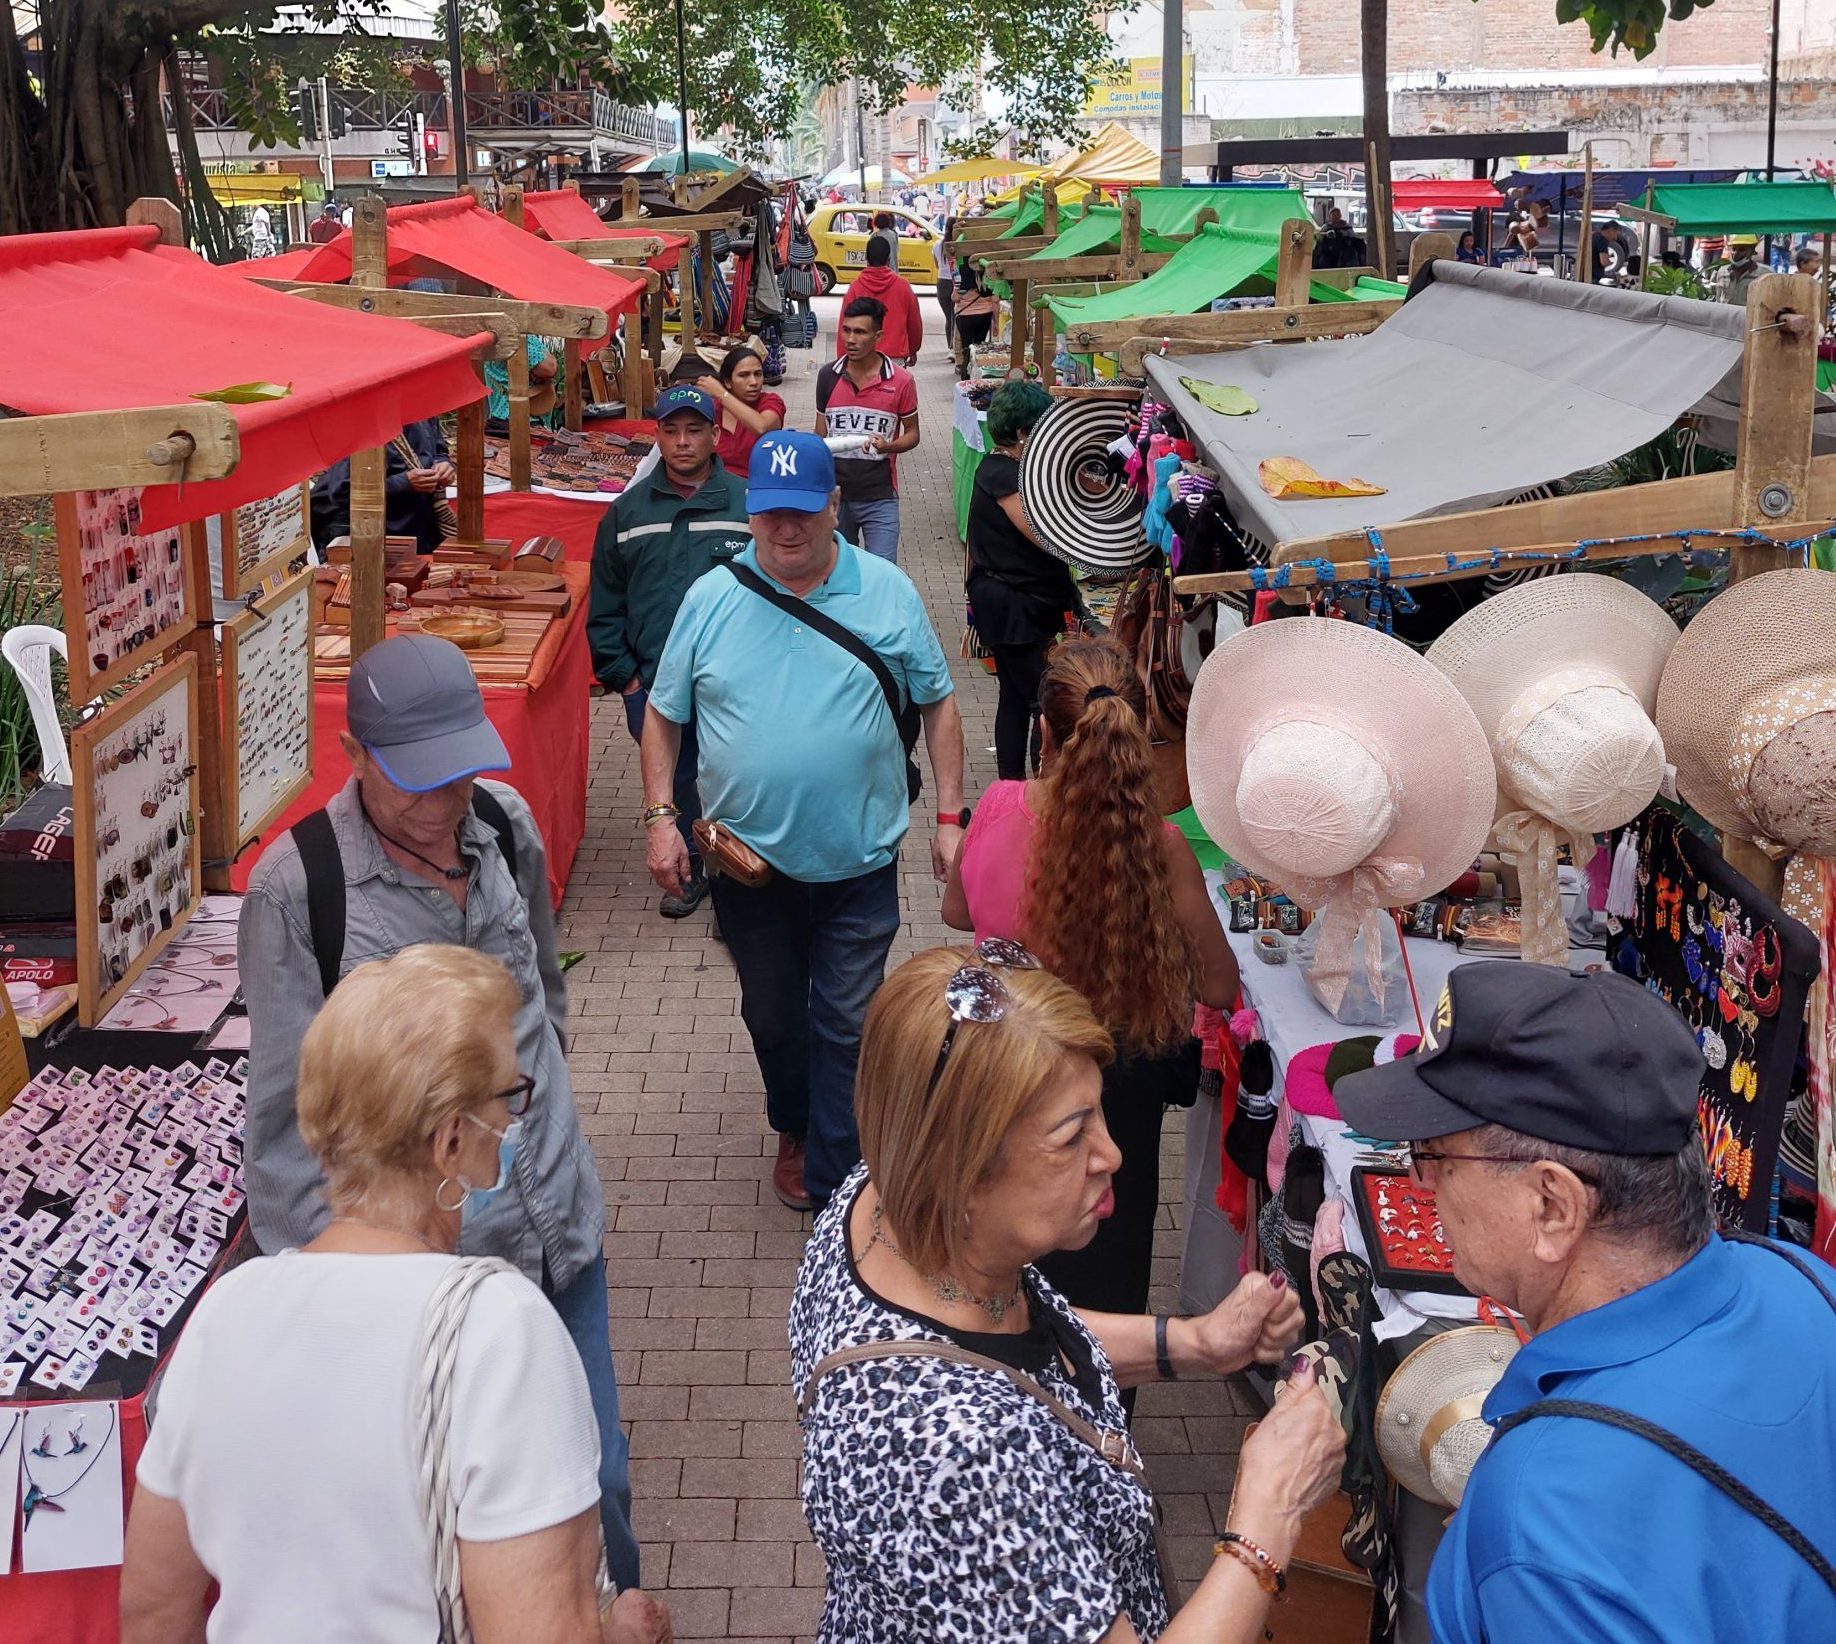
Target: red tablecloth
[543, 724]
[522, 514]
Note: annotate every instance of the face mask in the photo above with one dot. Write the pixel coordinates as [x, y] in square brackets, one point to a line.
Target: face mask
[478, 1199]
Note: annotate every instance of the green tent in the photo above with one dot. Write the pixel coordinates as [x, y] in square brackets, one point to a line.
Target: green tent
[1030, 218]
[1696, 209]
[1099, 229]
[1169, 216]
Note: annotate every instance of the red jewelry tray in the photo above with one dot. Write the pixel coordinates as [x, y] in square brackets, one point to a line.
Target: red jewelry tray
[1401, 1225]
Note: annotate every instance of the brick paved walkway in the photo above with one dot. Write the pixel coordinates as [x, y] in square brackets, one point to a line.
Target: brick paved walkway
[701, 1258]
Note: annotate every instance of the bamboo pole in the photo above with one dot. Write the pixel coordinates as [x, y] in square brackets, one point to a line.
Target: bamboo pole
[468, 509]
[518, 368]
[1585, 263]
[369, 469]
[572, 401]
[1017, 331]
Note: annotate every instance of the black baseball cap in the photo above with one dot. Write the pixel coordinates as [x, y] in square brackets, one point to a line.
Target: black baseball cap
[1581, 1059]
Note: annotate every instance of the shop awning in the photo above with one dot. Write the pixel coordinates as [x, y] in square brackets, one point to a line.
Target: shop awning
[1741, 208]
[442, 238]
[1170, 215]
[1098, 229]
[1482, 386]
[1213, 264]
[979, 171]
[241, 189]
[561, 214]
[1030, 218]
[355, 378]
[1115, 155]
[1450, 194]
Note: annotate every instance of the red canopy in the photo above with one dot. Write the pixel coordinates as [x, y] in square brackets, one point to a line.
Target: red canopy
[1450, 193]
[561, 214]
[355, 378]
[447, 237]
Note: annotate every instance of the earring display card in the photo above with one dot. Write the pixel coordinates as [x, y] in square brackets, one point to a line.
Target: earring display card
[262, 537]
[12, 1444]
[191, 983]
[71, 1508]
[138, 868]
[127, 595]
[267, 693]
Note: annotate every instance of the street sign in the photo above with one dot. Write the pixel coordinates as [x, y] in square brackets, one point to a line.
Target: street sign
[392, 168]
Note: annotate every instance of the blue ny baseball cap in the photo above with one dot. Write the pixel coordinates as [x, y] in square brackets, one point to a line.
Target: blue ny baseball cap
[686, 397]
[790, 470]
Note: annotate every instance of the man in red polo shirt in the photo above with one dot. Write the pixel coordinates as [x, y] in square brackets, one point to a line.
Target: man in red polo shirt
[867, 395]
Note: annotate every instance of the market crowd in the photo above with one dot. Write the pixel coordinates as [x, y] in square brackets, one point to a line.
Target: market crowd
[406, 1412]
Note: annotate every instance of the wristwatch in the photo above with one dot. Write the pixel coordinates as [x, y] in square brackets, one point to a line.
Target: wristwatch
[954, 819]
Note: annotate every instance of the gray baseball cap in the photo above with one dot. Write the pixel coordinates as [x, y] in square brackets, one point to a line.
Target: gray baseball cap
[414, 702]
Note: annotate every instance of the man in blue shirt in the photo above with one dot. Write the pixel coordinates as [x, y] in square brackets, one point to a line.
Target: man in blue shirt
[1571, 1179]
[801, 758]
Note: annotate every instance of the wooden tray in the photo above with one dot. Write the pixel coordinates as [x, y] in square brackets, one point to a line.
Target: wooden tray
[507, 663]
[466, 626]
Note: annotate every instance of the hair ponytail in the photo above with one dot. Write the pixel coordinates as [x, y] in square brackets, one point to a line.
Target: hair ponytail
[1099, 900]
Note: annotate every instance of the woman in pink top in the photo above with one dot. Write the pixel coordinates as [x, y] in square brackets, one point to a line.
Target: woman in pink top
[1079, 866]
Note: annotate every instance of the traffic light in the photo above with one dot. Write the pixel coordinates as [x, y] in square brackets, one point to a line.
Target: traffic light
[337, 116]
[404, 137]
[306, 104]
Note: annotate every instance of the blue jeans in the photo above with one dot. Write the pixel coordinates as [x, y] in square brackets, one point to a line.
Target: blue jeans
[582, 1306]
[809, 958]
[871, 525]
[687, 795]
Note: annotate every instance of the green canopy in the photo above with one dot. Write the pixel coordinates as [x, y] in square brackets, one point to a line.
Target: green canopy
[1368, 289]
[1745, 208]
[1176, 210]
[1030, 218]
[1212, 264]
[1099, 228]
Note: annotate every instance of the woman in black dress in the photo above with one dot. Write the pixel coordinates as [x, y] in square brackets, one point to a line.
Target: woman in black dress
[1021, 598]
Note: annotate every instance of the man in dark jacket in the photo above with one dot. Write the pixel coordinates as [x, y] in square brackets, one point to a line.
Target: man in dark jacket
[412, 491]
[675, 524]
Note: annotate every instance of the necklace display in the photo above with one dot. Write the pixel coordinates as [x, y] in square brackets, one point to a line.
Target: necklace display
[37, 1497]
[943, 1285]
[389, 1227]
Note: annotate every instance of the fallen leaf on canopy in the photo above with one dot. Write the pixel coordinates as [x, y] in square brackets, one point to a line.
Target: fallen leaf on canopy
[247, 393]
[1288, 478]
[1225, 398]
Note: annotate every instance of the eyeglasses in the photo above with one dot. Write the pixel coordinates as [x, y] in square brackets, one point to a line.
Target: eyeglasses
[977, 994]
[517, 1097]
[1420, 1154]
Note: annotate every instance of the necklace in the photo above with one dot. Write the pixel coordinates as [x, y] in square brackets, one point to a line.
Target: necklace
[37, 1497]
[390, 1227]
[445, 873]
[945, 1286]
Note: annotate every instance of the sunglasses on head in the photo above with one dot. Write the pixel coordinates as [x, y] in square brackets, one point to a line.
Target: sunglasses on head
[976, 993]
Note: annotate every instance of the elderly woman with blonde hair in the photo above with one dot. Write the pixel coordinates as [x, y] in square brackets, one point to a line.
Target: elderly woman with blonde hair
[282, 1464]
[967, 1469]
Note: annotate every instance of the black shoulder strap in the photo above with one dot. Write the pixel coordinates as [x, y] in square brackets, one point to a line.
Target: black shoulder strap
[323, 865]
[489, 809]
[828, 627]
[1692, 1458]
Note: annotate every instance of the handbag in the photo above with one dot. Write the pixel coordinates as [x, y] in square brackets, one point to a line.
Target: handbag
[432, 1412]
[1112, 1444]
[724, 852]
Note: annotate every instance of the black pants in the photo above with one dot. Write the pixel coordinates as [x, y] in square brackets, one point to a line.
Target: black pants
[1018, 671]
[946, 300]
[974, 329]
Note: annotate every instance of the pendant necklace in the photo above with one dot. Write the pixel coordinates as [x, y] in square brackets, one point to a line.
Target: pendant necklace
[460, 872]
[39, 1499]
[944, 1285]
[389, 1227]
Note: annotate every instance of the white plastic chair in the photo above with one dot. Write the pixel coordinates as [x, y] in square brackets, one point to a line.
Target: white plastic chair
[28, 648]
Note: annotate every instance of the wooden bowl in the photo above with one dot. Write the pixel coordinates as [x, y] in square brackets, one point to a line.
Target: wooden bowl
[469, 629]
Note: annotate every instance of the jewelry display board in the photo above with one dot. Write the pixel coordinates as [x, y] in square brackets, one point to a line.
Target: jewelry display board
[128, 595]
[267, 697]
[264, 536]
[1739, 969]
[137, 802]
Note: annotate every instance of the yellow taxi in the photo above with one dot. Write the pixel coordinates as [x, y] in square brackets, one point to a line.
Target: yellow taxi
[840, 233]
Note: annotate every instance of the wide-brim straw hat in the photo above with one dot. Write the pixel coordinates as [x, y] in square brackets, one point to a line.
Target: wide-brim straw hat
[1430, 1427]
[1317, 748]
[1563, 674]
[1747, 708]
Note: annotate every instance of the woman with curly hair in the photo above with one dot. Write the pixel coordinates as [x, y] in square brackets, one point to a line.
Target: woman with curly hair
[1078, 865]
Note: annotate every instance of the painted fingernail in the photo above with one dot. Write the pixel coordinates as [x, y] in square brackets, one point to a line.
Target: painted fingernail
[1296, 1364]
[1278, 1279]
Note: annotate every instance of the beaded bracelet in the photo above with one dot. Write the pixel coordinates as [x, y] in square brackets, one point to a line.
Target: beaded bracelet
[1269, 1575]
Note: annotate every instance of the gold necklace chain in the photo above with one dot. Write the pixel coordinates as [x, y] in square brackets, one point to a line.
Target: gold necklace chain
[944, 1285]
[390, 1227]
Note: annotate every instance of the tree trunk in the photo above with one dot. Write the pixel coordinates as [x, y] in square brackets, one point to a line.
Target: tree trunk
[209, 222]
[1374, 31]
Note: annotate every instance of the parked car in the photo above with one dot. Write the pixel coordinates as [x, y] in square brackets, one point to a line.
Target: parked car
[840, 233]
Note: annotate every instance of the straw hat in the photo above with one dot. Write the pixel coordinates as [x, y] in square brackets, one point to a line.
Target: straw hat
[1332, 759]
[1073, 488]
[1430, 1427]
[1748, 711]
[1562, 674]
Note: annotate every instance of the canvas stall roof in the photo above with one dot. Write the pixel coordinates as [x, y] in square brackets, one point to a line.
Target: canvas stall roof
[1169, 216]
[438, 238]
[1480, 387]
[355, 379]
[1030, 218]
[1114, 156]
[980, 171]
[561, 214]
[1098, 228]
[1746, 208]
[1451, 194]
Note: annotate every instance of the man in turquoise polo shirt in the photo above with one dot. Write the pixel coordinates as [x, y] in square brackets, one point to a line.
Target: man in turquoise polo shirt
[801, 759]
[1568, 1167]
[675, 524]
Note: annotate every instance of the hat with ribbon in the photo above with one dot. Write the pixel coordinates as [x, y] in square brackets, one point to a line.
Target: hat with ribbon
[1747, 708]
[1332, 759]
[1430, 1421]
[1563, 674]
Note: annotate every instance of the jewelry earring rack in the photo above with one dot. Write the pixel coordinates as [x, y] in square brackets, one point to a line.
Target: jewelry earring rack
[263, 537]
[267, 710]
[136, 796]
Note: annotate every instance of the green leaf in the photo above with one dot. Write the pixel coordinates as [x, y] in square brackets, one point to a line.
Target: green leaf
[1225, 398]
[247, 393]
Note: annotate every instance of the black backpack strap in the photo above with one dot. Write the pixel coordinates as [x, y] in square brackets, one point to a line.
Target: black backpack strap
[831, 630]
[489, 809]
[1692, 1458]
[323, 865]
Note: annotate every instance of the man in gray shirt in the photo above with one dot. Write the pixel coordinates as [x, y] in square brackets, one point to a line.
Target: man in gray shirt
[410, 850]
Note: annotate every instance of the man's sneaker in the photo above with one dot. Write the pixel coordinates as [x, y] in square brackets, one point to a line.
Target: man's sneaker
[787, 1175]
[693, 895]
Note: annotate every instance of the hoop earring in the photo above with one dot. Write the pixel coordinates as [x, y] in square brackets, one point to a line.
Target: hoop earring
[445, 1182]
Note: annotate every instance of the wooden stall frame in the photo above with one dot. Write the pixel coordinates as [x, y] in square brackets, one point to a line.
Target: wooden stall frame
[94, 1001]
[117, 450]
[230, 788]
[237, 583]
